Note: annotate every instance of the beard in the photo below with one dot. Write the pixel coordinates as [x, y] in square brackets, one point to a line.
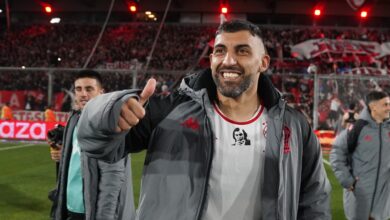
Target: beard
[231, 89]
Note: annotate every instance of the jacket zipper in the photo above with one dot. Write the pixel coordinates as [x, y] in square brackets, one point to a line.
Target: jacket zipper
[205, 188]
[379, 167]
[281, 147]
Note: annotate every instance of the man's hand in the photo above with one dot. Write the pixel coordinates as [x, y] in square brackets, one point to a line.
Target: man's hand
[133, 110]
[352, 188]
[55, 153]
[55, 150]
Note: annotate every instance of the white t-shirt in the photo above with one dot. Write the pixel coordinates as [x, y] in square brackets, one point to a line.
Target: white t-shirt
[335, 104]
[236, 175]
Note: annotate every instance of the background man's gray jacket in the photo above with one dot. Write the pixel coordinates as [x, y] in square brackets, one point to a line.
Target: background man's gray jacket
[108, 191]
[178, 134]
[370, 162]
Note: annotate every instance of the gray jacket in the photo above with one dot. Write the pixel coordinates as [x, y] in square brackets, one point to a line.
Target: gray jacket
[108, 191]
[370, 163]
[177, 132]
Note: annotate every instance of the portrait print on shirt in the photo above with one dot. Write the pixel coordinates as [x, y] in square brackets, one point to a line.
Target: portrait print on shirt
[240, 137]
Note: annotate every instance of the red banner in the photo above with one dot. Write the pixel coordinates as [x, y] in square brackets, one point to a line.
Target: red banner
[24, 130]
[313, 48]
[17, 99]
[38, 116]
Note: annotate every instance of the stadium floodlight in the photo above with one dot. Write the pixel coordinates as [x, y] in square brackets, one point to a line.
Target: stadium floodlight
[317, 12]
[224, 9]
[1, 10]
[133, 7]
[363, 14]
[55, 20]
[318, 9]
[48, 9]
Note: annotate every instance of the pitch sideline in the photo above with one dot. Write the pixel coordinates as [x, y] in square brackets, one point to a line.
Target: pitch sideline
[16, 147]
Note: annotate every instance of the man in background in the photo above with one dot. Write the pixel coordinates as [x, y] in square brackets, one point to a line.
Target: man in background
[49, 114]
[6, 112]
[363, 169]
[88, 189]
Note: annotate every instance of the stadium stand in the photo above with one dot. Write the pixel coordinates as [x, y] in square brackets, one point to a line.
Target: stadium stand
[127, 45]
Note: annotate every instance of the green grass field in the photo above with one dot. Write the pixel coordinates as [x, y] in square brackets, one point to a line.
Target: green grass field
[27, 174]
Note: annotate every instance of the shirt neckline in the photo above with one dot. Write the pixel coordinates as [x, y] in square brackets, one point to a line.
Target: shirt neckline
[259, 111]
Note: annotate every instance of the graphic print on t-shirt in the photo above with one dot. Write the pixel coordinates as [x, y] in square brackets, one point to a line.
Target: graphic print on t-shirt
[240, 137]
[236, 173]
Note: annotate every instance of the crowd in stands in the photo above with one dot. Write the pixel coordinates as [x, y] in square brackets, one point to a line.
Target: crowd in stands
[179, 48]
[42, 45]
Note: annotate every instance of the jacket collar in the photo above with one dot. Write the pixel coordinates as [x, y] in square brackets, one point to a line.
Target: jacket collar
[269, 95]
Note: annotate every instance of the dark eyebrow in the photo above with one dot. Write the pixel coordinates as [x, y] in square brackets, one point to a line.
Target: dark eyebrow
[242, 46]
[220, 45]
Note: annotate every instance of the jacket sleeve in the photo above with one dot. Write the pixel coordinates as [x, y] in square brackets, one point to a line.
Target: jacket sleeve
[97, 124]
[339, 160]
[314, 200]
[111, 179]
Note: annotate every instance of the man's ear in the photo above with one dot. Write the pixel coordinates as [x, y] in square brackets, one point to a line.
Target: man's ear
[372, 106]
[265, 60]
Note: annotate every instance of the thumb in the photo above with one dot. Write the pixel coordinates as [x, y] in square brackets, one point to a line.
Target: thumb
[148, 91]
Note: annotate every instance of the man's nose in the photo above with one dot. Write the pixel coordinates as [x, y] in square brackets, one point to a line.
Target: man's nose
[229, 59]
[84, 92]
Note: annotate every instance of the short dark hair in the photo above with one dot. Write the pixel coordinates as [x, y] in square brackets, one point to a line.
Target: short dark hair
[233, 26]
[375, 96]
[89, 74]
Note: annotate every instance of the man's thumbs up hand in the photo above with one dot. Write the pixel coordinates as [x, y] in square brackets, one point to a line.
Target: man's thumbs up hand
[133, 110]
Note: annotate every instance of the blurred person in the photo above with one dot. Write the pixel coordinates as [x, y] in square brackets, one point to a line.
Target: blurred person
[88, 189]
[6, 112]
[191, 169]
[40, 103]
[348, 119]
[350, 116]
[335, 111]
[30, 102]
[363, 169]
[164, 90]
[50, 114]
